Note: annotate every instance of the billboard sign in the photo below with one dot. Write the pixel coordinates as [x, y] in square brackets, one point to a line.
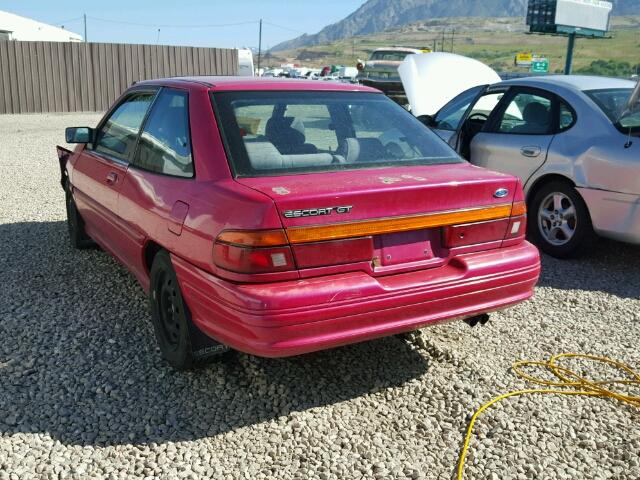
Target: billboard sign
[582, 17]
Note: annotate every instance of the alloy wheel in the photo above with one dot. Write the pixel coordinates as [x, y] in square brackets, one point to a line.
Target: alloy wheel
[557, 219]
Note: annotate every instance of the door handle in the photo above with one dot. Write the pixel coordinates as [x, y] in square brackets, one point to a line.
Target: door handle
[112, 177]
[530, 151]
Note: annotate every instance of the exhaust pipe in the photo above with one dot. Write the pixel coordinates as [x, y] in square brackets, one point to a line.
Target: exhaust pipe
[478, 319]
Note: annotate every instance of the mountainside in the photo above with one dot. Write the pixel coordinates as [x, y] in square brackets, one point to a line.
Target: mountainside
[378, 15]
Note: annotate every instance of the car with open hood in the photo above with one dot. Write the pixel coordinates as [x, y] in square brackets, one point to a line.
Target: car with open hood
[572, 141]
[381, 70]
[279, 217]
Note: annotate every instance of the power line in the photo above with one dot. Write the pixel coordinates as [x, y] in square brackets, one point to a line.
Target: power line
[284, 28]
[150, 25]
[66, 21]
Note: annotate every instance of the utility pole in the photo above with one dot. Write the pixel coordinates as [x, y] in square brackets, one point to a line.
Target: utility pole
[570, 46]
[435, 45]
[259, 46]
[443, 39]
[453, 34]
[85, 27]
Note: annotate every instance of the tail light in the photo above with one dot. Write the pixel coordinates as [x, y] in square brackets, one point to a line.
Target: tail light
[509, 228]
[263, 251]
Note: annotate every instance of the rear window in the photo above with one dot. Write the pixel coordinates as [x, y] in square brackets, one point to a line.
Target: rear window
[279, 133]
[613, 103]
[392, 56]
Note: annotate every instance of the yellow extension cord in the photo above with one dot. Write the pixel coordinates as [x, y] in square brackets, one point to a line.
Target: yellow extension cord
[568, 383]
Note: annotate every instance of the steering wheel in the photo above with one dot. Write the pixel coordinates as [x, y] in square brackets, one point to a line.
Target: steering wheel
[478, 116]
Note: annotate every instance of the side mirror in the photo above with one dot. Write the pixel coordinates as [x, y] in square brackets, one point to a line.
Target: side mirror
[427, 120]
[78, 135]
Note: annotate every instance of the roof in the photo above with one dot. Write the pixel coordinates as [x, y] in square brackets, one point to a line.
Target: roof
[26, 29]
[259, 83]
[578, 82]
[398, 49]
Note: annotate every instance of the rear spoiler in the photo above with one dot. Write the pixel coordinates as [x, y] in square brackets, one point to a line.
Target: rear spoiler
[63, 156]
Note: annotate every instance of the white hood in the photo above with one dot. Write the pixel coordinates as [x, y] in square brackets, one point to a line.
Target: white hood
[431, 80]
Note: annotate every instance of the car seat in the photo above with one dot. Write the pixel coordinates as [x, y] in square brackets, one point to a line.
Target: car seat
[537, 119]
[288, 135]
[361, 150]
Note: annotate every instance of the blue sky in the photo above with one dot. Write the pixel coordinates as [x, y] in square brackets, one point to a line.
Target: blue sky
[298, 16]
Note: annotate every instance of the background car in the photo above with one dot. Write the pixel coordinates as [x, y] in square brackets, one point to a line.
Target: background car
[381, 70]
[280, 217]
[572, 140]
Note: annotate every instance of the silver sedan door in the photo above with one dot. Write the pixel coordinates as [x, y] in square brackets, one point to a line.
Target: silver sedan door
[446, 122]
[518, 135]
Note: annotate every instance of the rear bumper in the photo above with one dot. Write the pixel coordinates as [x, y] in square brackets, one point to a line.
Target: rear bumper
[614, 215]
[294, 317]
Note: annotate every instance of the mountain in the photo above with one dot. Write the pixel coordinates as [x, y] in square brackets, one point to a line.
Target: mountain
[378, 15]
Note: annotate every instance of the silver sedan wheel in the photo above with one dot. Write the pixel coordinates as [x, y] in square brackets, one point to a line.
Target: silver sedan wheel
[557, 219]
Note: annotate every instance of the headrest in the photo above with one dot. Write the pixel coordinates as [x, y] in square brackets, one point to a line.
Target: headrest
[285, 131]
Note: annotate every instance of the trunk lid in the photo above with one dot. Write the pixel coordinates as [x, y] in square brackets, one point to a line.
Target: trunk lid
[382, 193]
[402, 210]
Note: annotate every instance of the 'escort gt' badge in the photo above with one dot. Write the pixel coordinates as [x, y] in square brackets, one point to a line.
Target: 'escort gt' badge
[317, 212]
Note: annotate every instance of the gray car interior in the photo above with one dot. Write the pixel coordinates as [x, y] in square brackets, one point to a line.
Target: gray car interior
[537, 118]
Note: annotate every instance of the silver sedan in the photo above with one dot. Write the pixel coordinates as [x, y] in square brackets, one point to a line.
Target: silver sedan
[573, 140]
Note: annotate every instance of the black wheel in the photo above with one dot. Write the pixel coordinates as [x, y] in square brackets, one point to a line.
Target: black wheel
[559, 221]
[181, 343]
[77, 235]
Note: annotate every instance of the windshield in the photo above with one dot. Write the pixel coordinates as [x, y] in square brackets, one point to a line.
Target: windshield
[392, 56]
[280, 133]
[613, 103]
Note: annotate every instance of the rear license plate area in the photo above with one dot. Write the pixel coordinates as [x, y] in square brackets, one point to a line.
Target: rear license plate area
[406, 247]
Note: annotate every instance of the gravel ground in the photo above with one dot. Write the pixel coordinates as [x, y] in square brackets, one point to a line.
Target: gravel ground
[85, 394]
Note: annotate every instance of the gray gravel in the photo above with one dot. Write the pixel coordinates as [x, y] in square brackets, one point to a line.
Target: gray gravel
[85, 394]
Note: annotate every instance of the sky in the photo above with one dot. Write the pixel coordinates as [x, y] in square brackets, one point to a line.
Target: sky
[214, 23]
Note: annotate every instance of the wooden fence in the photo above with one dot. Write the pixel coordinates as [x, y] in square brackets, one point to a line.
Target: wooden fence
[76, 77]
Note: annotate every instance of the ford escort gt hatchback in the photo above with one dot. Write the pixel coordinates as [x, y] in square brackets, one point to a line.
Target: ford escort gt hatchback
[283, 217]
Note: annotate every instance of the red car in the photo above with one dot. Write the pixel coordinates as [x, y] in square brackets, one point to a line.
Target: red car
[282, 217]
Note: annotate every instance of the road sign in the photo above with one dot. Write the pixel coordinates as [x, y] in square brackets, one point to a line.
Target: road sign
[524, 59]
[540, 65]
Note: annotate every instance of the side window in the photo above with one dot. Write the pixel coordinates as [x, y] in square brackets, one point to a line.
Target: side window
[485, 105]
[117, 137]
[165, 143]
[567, 117]
[449, 117]
[527, 114]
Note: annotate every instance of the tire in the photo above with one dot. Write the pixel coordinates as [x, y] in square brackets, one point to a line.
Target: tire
[181, 343]
[75, 225]
[559, 221]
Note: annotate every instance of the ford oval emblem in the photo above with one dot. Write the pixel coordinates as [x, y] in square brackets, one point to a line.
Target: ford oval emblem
[501, 193]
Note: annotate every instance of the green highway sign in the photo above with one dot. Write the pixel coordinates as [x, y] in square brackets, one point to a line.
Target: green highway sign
[540, 65]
